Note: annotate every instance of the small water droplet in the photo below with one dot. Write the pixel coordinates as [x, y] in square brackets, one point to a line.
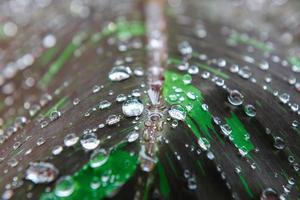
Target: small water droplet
[112, 119]
[250, 110]
[279, 143]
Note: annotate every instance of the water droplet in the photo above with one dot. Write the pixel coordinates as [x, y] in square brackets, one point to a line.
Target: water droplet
[138, 71]
[40, 141]
[193, 70]
[132, 108]
[104, 104]
[57, 150]
[89, 141]
[177, 112]
[98, 158]
[269, 194]
[41, 172]
[70, 139]
[204, 143]
[121, 98]
[64, 187]
[112, 119]
[235, 98]
[250, 110]
[185, 48]
[187, 79]
[119, 73]
[245, 72]
[279, 143]
[226, 129]
[54, 115]
[133, 136]
[284, 98]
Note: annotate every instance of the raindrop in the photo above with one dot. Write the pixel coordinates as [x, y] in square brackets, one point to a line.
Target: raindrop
[70, 139]
[269, 194]
[235, 98]
[132, 108]
[138, 71]
[119, 73]
[226, 129]
[54, 115]
[41, 172]
[57, 150]
[98, 158]
[133, 136]
[284, 98]
[89, 141]
[279, 143]
[250, 110]
[121, 98]
[40, 141]
[177, 112]
[64, 187]
[187, 79]
[104, 104]
[112, 119]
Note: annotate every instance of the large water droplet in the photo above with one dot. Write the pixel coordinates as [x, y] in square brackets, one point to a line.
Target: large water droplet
[177, 112]
[65, 187]
[41, 172]
[132, 108]
[70, 139]
[89, 141]
[235, 98]
[98, 158]
[119, 73]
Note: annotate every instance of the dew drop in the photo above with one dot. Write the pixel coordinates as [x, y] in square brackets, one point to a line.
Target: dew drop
[132, 108]
[70, 139]
[133, 136]
[177, 112]
[112, 119]
[41, 172]
[89, 141]
[250, 110]
[98, 158]
[65, 186]
[119, 73]
[279, 143]
[235, 98]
